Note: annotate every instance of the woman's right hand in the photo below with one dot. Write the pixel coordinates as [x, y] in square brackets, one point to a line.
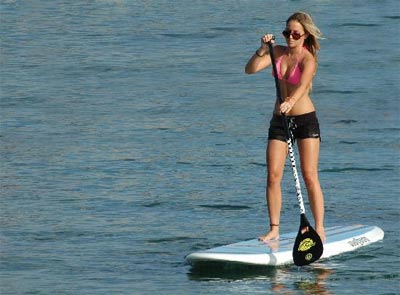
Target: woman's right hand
[260, 59]
[267, 39]
[263, 50]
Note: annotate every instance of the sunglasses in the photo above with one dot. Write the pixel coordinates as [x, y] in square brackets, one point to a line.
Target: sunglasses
[295, 35]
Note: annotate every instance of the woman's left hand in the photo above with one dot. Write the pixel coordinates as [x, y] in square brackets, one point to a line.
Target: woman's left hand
[286, 106]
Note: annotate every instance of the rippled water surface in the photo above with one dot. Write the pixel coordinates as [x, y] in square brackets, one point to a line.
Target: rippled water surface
[130, 137]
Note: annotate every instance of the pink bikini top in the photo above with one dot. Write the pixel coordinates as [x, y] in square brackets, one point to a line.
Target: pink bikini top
[295, 75]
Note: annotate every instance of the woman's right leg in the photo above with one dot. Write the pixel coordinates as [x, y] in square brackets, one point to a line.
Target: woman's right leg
[276, 156]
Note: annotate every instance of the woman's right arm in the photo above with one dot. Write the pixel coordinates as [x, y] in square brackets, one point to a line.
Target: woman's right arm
[260, 59]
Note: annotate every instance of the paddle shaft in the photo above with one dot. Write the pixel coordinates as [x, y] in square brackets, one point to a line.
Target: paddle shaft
[286, 127]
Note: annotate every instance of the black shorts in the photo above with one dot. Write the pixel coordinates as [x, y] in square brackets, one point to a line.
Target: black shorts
[301, 126]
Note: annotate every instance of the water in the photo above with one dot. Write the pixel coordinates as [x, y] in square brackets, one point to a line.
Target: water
[130, 137]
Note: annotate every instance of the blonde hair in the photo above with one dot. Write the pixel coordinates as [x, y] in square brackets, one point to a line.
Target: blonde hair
[311, 43]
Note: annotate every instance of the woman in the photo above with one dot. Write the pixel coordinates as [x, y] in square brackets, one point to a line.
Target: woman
[296, 65]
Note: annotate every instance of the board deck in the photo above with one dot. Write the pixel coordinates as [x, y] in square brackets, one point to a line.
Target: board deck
[340, 239]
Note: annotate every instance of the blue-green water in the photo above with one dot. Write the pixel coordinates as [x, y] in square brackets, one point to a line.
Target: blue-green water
[130, 137]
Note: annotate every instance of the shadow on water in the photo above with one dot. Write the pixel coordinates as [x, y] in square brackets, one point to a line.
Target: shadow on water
[310, 279]
[229, 271]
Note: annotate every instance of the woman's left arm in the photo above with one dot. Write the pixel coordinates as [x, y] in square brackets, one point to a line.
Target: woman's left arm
[309, 68]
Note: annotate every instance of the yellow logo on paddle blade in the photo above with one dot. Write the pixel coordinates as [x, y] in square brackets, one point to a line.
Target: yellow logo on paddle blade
[306, 244]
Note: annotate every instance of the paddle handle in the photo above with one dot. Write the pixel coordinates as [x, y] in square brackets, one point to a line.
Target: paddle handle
[289, 138]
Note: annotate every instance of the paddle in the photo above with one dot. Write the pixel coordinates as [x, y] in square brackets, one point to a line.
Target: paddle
[308, 246]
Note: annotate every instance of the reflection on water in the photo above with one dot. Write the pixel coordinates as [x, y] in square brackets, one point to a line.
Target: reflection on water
[310, 279]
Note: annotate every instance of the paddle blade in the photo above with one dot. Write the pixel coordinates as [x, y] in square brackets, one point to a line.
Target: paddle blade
[308, 246]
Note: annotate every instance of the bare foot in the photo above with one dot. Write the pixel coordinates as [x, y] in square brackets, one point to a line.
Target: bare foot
[271, 236]
[321, 232]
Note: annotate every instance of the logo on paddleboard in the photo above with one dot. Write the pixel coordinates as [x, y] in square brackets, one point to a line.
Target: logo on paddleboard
[308, 257]
[306, 244]
[357, 242]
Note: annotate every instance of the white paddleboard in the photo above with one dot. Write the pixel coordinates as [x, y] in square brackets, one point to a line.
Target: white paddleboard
[340, 239]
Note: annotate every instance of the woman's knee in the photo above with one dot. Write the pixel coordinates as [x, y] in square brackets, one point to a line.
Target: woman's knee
[274, 178]
[310, 178]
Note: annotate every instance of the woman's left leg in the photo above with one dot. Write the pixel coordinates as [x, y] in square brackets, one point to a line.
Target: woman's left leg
[309, 155]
